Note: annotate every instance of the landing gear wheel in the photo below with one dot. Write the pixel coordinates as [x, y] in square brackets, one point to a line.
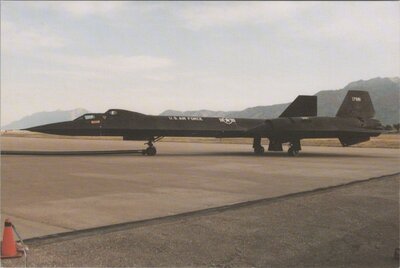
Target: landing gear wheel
[293, 152]
[151, 151]
[259, 150]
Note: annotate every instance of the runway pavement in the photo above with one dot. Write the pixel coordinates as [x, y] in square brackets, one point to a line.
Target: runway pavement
[354, 225]
[51, 194]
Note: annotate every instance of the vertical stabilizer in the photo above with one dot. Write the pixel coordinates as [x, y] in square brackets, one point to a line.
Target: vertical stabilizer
[357, 103]
[301, 106]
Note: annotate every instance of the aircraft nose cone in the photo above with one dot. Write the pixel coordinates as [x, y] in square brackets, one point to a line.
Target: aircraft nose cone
[55, 128]
[34, 129]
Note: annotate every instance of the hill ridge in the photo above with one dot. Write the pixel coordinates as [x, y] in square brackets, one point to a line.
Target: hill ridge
[385, 94]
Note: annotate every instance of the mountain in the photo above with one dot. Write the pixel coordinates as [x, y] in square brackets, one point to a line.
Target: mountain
[45, 118]
[385, 95]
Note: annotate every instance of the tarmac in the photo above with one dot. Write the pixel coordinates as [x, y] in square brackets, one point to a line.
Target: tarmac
[52, 194]
[349, 226]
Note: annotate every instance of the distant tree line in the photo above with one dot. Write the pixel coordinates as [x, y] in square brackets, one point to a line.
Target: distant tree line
[397, 127]
[393, 127]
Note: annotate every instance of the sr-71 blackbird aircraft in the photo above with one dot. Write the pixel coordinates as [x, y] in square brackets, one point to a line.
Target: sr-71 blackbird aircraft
[352, 124]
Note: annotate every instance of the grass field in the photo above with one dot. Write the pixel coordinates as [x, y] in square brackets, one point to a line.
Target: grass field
[391, 140]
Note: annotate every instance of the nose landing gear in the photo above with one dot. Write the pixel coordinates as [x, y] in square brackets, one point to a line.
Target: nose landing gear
[151, 149]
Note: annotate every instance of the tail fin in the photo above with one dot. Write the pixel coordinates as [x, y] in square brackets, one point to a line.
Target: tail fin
[357, 103]
[301, 106]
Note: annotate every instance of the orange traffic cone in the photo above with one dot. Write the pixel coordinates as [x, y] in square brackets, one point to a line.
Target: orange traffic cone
[8, 245]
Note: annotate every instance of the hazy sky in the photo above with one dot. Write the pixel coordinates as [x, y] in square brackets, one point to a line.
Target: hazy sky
[149, 57]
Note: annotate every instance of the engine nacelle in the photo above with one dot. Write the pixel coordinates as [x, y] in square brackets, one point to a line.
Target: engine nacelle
[348, 141]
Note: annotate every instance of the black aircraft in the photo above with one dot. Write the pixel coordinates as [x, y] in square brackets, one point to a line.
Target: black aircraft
[352, 124]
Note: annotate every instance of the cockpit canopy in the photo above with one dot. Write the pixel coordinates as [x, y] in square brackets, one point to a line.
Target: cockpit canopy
[88, 117]
[111, 113]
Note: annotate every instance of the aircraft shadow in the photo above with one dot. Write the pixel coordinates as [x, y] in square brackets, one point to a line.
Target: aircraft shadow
[267, 155]
[133, 153]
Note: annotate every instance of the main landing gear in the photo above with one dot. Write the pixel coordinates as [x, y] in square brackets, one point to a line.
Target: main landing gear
[151, 149]
[294, 148]
[258, 149]
[276, 145]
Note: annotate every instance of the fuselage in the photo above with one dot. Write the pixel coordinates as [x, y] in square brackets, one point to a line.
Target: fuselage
[352, 124]
[137, 126]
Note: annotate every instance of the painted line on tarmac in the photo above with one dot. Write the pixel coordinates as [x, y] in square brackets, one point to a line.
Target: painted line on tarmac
[72, 153]
[58, 237]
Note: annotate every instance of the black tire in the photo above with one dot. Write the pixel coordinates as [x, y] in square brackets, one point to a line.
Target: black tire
[150, 151]
[259, 150]
[293, 152]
